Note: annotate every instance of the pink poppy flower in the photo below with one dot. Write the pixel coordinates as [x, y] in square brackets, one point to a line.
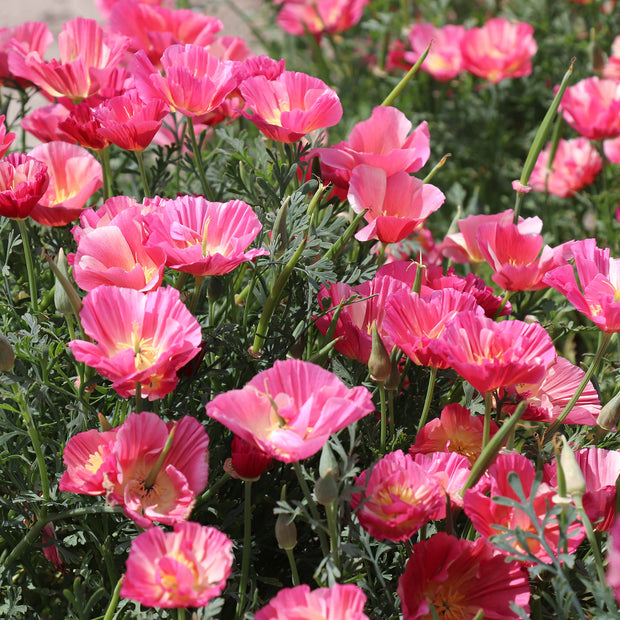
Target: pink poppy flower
[32, 36]
[75, 175]
[363, 305]
[575, 165]
[129, 122]
[87, 57]
[82, 127]
[385, 140]
[592, 108]
[290, 106]
[499, 50]
[491, 355]
[319, 16]
[91, 218]
[23, 181]
[460, 578]
[194, 81]
[397, 205]
[600, 469]
[171, 495]
[339, 602]
[154, 28]
[611, 70]
[88, 458]
[611, 148]
[591, 284]
[247, 462]
[43, 123]
[414, 322]
[486, 514]
[290, 410]
[204, 238]
[142, 338]
[184, 568]
[116, 254]
[444, 60]
[613, 559]
[399, 497]
[456, 430]
[105, 6]
[6, 138]
[50, 547]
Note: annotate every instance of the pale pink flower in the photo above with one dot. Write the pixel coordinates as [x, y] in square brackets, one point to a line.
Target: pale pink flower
[339, 602]
[23, 181]
[611, 148]
[613, 559]
[319, 16]
[141, 338]
[106, 6]
[397, 205]
[75, 175]
[290, 106]
[88, 56]
[291, 409]
[43, 123]
[398, 498]
[91, 218]
[498, 50]
[204, 238]
[171, 495]
[184, 568]
[575, 165]
[6, 138]
[444, 60]
[591, 283]
[611, 70]
[460, 578]
[31, 36]
[592, 108]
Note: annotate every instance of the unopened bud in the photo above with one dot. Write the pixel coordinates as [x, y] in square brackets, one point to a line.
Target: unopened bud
[7, 355]
[61, 298]
[286, 532]
[379, 363]
[103, 422]
[597, 59]
[610, 414]
[215, 288]
[279, 232]
[328, 463]
[573, 476]
[326, 490]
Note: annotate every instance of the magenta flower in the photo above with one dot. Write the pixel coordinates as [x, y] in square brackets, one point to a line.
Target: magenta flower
[184, 568]
[591, 284]
[6, 138]
[397, 205]
[613, 558]
[141, 338]
[31, 36]
[339, 602]
[23, 181]
[43, 123]
[204, 238]
[290, 106]
[291, 409]
[399, 497]
[499, 50]
[444, 60]
[460, 578]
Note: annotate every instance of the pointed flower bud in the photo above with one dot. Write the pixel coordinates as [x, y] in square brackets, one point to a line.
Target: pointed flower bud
[573, 476]
[7, 355]
[328, 464]
[61, 298]
[286, 532]
[279, 232]
[379, 363]
[610, 414]
[326, 490]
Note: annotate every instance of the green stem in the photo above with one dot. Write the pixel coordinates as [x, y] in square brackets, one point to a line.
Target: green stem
[391, 413]
[247, 547]
[488, 409]
[429, 397]
[314, 512]
[32, 282]
[145, 181]
[196, 295]
[212, 489]
[109, 614]
[206, 190]
[104, 158]
[587, 525]
[293, 565]
[138, 397]
[180, 613]
[389, 100]
[383, 416]
[334, 543]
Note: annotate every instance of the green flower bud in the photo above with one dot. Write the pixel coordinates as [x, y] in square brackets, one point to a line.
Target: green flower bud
[573, 476]
[326, 490]
[286, 532]
[379, 363]
[328, 464]
[7, 355]
[610, 414]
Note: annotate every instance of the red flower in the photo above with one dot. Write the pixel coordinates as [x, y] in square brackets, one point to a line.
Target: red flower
[248, 462]
[23, 181]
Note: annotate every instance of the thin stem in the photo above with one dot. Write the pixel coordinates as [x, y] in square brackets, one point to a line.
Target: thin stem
[293, 565]
[383, 416]
[104, 158]
[145, 181]
[196, 295]
[334, 543]
[247, 547]
[587, 526]
[488, 409]
[206, 190]
[32, 282]
[389, 100]
[138, 397]
[429, 397]
[180, 613]
[314, 512]
[109, 614]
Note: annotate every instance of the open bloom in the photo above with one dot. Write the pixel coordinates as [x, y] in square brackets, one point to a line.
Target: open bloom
[141, 338]
[444, 60]
[575, 165]
[340, 602]
[290, 106]
[399, 497]
[32, 36]
[23, 181]
[499, 49]
[613, 557]
[6, 138]
[459, 579]
[291, 409]
[184, 568]
[397, 205]
[204, 238]
[591, 284]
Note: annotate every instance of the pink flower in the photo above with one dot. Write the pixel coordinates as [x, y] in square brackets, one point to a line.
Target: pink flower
[486, 514]
[613, 558]
[194, 81]
[91, 218]
[106, 6]
[290, 410]
[146, 493]
[75, 175]
[6, 139]
[43, 123]
[397, 205]
[116, 254]
[87, 58]
[383, 141]
[31, 36]
[591, 284]
[611, 148]
[319, 16]
[204, 238]
[498, 50]
[290, 106]
[491, 355]
[142, 338]
[459, 579]
[575, 165]
[23, 181]
[339, 602]
[611, 70]
[184, 568]
[444, 60]
[50, 547]
[247, 461]
[82, 127]
[399, 497]
[592, 108]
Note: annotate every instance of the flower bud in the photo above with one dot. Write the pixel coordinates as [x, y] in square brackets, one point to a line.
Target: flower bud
[7, 355]
[61, 298]
[215, 288]
[286, 532]
[379, 363]
[279, 232]
[328, 463]
[248, 461]
[610, 414]
[573, 476]
[326, 490]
